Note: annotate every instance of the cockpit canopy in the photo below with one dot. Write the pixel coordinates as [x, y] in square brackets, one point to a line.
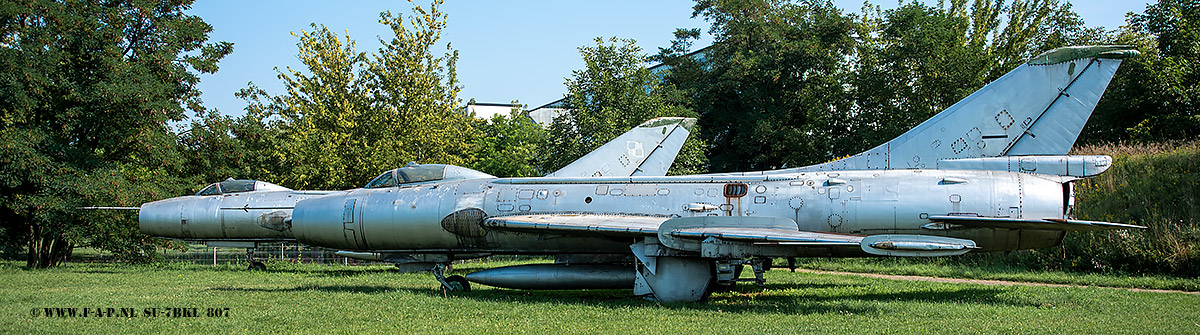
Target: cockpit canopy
[424, 173]
[240, 186]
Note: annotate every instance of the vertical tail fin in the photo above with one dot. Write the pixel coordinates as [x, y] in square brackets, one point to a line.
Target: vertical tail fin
[1039, 108]
[646, 150]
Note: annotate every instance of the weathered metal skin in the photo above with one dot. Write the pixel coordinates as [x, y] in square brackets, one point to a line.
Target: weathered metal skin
[557, 277]
[990, 173]
[422, 218]
[236, 216]
[255, 211]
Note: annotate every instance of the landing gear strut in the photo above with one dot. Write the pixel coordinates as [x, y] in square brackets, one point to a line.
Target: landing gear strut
[729, 272]
[254, 265]
[453, 283]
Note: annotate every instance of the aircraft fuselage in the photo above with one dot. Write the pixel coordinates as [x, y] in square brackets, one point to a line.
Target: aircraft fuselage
[446, 217]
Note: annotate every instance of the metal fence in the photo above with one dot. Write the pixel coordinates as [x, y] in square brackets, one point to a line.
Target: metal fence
[269, 253]
[199, 253]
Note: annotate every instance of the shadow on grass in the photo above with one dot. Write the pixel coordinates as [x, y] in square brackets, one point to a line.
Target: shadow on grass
[779, 298]
[328, 273]
[775, 298]
[804, 297]
[366, 289]
[93, 271]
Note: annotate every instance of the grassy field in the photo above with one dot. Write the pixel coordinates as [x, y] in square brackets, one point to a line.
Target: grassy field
[345, 299]
[994, 269]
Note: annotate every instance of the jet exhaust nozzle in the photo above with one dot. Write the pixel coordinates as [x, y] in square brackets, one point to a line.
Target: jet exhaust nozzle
[557, 276]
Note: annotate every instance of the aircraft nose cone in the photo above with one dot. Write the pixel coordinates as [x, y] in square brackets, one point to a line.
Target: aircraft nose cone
[161, 218]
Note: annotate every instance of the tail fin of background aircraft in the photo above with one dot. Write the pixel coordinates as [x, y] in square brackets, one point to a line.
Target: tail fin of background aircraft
[1039, 108]
[646, 150]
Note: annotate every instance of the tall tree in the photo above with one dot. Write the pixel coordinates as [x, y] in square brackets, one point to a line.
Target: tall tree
[509, 145]
[770, 89]
[916, 60]
[614, 92]
[351, 115]
[792, 84]
[1156, 96]
[217, 146]
[86, 91]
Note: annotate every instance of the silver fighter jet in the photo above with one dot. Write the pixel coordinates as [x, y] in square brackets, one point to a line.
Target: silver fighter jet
[990, 173]
[249, 213]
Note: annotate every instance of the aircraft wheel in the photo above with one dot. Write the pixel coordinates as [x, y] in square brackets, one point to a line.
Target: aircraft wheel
[258, 266]
[456, 283]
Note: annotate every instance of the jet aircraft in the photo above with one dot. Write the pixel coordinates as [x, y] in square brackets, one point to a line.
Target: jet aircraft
[990, 173]
[250, 213]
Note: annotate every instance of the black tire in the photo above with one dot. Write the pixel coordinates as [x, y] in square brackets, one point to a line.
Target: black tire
[457, 283]
[257, 266]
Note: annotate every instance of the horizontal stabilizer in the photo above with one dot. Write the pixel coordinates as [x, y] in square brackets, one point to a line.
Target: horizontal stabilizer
[1040, 224]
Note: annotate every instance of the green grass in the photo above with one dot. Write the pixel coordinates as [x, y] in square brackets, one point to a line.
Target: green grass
[1153, 185]
[349, 299]
[952, 268]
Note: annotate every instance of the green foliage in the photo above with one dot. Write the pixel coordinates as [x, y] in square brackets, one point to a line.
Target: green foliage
[351, 115]
[216, 146]
[792, 84]
[769, 91]
[86, 90]
[1159, 190]
[509, 145]
[1154, 97]
[612, 94]
[915, 60]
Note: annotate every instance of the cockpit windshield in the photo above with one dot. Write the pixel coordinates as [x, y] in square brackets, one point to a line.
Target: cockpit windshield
[415, 174]
[239, 186]
[210, 190]
[421, 173]
[408, 175]
[387, 179]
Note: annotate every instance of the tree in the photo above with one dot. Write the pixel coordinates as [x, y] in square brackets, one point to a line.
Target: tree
[509, 146]
[352, 115]
[1156, 96]
[216, 146]
[86, 91]
[770, 89]
[914, 61]
[790, 84]
[613, 93]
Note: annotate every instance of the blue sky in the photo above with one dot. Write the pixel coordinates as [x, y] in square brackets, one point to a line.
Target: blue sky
[517, 50]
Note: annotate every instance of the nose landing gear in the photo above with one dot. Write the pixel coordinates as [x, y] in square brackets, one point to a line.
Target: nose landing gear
[453, 283]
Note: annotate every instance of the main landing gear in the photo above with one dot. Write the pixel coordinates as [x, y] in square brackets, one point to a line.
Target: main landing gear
[729, 272]
[453, 283]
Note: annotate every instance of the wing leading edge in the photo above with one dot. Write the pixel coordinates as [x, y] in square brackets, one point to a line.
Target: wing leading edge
[701, 234]
[1040, 224]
